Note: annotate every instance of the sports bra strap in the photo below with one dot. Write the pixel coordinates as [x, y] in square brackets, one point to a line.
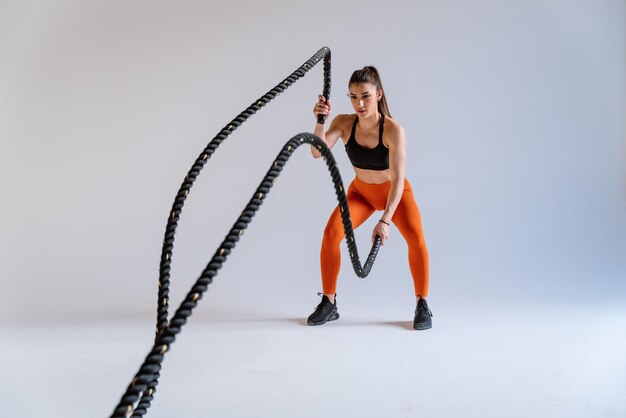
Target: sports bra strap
[356, 120]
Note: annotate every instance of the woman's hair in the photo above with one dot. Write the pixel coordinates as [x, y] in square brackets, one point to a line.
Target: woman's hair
[369, 74]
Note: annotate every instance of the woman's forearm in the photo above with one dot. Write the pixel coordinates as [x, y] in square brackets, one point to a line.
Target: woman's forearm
[318, 131]
[393, 199]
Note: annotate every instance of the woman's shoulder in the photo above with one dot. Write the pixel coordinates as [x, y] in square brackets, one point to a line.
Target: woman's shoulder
[392, 125]
[344, 122]
[345, 118]
[393, 133]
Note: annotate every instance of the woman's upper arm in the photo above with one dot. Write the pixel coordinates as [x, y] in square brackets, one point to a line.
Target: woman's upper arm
[397, 152]
[334, 131]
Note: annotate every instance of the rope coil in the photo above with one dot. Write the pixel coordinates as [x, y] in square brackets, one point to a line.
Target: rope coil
[143, 384]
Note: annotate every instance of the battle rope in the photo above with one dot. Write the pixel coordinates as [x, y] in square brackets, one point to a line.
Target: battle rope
[146, 379]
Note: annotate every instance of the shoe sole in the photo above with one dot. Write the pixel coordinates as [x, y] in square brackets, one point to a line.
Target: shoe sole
[330, 318]
[422, 327]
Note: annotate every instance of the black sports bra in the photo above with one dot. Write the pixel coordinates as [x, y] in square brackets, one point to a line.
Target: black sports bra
[376, 158]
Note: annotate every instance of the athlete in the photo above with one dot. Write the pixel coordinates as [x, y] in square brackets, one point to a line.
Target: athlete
[376, 146]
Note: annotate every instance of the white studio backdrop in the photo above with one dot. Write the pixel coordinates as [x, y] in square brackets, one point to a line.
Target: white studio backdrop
[514, 112]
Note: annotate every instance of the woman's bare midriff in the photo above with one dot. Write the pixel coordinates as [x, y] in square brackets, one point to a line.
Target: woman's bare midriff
[373, 176]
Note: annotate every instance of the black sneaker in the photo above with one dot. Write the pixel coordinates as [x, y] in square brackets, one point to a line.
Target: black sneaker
[324, 312]
[422, 315]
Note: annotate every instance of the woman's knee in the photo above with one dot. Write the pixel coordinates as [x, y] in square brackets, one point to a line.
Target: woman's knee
[334, 233]
[414, 236]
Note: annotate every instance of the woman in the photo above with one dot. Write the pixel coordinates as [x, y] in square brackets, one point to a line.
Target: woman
[376, 146]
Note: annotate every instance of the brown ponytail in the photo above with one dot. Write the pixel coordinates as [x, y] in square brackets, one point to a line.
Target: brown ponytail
[369, 74]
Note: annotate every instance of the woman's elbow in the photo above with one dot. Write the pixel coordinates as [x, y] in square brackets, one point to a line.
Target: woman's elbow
[397, 177]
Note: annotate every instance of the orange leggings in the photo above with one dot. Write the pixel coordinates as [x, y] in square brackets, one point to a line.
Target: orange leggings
[363, 200]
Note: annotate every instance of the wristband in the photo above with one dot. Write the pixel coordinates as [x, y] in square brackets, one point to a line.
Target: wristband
[384, 222]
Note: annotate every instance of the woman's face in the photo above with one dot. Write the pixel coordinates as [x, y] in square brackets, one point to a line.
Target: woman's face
[364, 98]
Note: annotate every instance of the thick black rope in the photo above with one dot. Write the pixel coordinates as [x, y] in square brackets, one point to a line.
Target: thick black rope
[190, 178]
[145, 380]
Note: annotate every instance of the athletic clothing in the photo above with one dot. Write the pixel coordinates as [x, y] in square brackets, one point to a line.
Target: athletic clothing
[376, 158]
[363, 199]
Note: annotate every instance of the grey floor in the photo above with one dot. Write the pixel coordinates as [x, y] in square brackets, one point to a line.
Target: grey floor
[520, 360]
